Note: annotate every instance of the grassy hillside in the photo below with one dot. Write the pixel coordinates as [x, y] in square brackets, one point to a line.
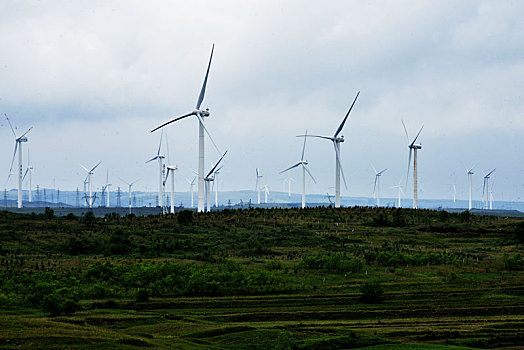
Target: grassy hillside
[262, 278]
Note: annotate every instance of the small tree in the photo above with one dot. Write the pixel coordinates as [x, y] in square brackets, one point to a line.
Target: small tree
[185, 217]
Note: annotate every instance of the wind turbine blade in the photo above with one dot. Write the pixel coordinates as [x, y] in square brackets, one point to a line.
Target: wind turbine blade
[203, 90]
[346, 117]
[416, 137]
[124, 181]
[172, 121]
[340, 164]
[13, 130]
[96, 165]
[291, 167]
[132, 183]
[25, 133]
[491, 172]
[26, 171]
[304, 146]
[213, 169]
[83, 167]
[405, 130]
[208, 134]
[13, 160]
[309, 172]
[160, 144]
[380, 173]
[374, 169]
[484, 187]
[322, 137]
[152, 159]
[375, 185]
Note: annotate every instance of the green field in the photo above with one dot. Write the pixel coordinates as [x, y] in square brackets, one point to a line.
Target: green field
[318, 278]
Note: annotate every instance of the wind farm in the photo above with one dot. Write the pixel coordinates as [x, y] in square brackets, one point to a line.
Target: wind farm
[233, 175]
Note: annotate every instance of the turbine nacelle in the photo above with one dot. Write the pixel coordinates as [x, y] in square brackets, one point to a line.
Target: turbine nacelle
[22, 139]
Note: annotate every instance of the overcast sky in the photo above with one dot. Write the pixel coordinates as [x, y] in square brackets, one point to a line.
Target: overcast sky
[93, 81]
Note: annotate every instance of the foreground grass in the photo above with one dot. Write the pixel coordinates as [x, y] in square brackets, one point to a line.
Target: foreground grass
[262, 279]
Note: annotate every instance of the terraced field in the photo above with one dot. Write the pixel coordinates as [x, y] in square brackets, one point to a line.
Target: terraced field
[262, 279]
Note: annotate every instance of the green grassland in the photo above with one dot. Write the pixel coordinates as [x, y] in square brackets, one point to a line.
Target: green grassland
[316, 278]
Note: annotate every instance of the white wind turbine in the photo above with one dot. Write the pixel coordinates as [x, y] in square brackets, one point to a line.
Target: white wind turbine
[305, 169]
[266, 193]
[200, 114]
[191, 184]
[170, 169]
[470, 178]
[485, 187]
[288, 181]
[215, 185]
[336, 144]
[29, 171]
[107, 187]
[160, 158]
[413, 147]
[211, 177]
[130, 185]
[89, 199]
[376, 186]
[18, 146]
[400, 192]
[257, 185]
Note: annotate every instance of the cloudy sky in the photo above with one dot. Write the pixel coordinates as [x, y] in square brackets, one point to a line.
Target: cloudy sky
[94, 80]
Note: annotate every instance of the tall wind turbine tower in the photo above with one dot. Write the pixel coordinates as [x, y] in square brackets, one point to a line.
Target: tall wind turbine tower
[304, 164]
[470, 178]
[336, 139]
[107, 186]
[376, 186]
[413, 148]
[257, 185]
[18, 145]
[171, 169]
[200, 114]
[400, 191]
[485, 187]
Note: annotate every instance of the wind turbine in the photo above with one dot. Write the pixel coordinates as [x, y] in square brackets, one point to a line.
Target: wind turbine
[159, 157]
[376, 186]
[18, 145]
[336, 144]
[200, 114]
[491, 198]
[470, 178]
[257, 185]
[30, 171]
[305, 169]
[129, 184]
[107, 186]
[413, 147]
[191, 184]
[400, 191]
[329, 196]
[171, 168]
[216, 188]
[288, 181]
[90, 199]
[210, 177]
[266, 192]
[485, 187]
